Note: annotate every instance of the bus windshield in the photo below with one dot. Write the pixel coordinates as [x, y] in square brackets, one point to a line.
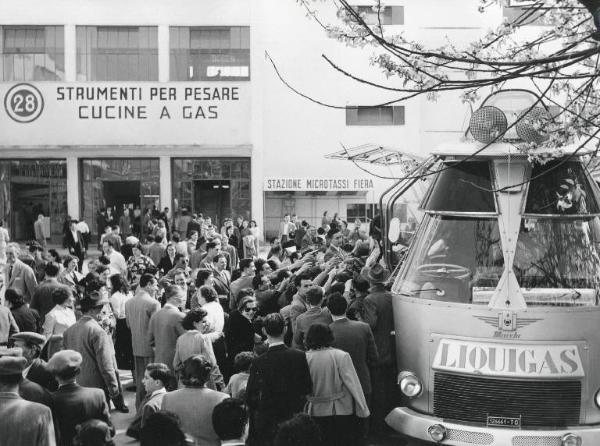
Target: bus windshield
[451, 256]
[559, 254]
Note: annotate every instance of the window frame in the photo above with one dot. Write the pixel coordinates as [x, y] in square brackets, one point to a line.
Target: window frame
[398, 115]
[187, 50]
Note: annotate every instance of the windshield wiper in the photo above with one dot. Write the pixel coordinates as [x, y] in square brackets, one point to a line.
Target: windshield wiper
[438, 292]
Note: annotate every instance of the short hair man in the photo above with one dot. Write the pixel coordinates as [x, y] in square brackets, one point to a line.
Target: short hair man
[74, 404]
[42, 296]
[165, 326]
[21, 422]
[278, 383]
[314, 314]
[138, 311]
[17, 274]
[157, 377]
[230, 422]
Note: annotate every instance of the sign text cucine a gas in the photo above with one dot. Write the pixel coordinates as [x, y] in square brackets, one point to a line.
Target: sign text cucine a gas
[139, 102]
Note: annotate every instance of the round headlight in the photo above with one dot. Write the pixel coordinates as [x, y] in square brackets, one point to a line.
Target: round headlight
[437, 432]
[409, 384]
[597, 399]
[571, 440]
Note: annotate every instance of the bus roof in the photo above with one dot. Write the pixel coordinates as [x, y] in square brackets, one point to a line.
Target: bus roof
[470, 148]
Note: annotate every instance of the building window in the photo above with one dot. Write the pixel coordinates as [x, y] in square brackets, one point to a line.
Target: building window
[362, 211]
[375, 115]
[117, 53]
[32, 53]
[390, 15]
[217, 53]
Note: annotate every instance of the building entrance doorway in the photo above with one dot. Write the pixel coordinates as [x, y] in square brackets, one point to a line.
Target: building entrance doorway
[121, 194]
[29, 200]
[213, 199]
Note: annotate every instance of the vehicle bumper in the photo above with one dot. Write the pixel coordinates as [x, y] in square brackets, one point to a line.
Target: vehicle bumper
[413, 424]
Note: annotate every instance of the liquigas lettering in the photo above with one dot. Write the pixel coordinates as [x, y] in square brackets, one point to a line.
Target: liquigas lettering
[508, 360]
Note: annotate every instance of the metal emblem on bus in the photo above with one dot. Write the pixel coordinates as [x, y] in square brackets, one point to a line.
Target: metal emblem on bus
[507, 323]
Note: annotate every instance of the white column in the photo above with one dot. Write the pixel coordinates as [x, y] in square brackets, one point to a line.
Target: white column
[73, 188]
[166, 197]
[257, 80]
[70, 53]
[163, 53]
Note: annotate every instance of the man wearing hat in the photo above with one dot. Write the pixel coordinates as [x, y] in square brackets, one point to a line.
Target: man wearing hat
[72, 403]
[22, 423]
[379, 315]
[36, 371]
[99, 365]
[74, 242]
[17, 274]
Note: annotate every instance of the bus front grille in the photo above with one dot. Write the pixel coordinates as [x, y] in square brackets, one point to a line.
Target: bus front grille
[536, 403]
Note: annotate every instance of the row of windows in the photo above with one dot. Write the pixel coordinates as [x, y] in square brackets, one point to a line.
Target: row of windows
[125, 53]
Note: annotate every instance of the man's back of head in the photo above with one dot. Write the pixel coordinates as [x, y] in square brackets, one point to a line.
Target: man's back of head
[230, 420]
[314, 296]
[274, 325]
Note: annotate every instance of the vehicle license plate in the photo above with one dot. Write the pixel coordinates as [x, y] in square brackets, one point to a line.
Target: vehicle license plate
[513, 422]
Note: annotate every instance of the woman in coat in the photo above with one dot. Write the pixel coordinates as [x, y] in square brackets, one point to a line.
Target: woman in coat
[240, 335]
[194, 404]
[167, 263]
[195, 342]
[337, 397]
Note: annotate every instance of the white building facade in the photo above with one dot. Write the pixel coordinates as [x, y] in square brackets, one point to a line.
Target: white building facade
[176, 104]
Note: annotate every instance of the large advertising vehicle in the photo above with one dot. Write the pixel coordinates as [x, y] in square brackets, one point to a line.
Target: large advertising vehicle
[496, 304]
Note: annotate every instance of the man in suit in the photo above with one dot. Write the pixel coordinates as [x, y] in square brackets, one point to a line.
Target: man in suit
[99, 365]
[42, 296]
[156, 250]
[222, 279]
[74, 243]
[22, 422]
[17, 274]
[165, 326]
[31, 345]
[278, 383]
[315, 314]
[379, 315]
[335, 247]
[73, 404]
[357, 339]
[138, 311]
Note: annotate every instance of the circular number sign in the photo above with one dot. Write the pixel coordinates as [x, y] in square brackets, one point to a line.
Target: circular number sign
[24, 103]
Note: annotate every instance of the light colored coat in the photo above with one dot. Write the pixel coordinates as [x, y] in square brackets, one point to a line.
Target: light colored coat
[24, 423]
[164, 329]
[22, 279]
[138, 311]
[336, 389]
[99, 365]
[194, 407]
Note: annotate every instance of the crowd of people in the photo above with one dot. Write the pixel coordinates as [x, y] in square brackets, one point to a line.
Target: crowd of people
[225, 346]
